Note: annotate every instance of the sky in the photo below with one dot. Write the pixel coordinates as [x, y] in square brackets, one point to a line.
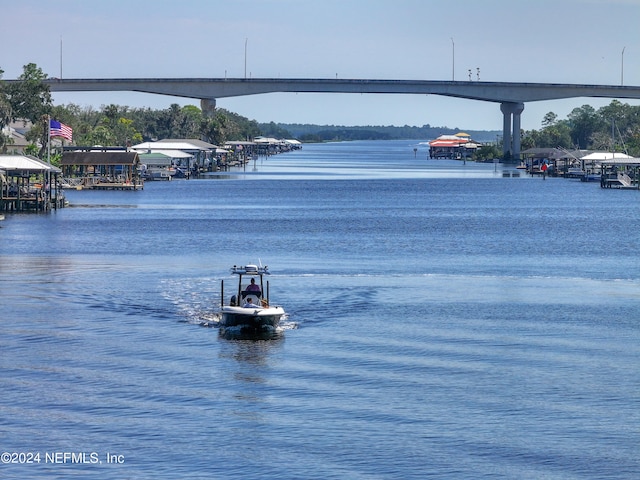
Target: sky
[550, 41]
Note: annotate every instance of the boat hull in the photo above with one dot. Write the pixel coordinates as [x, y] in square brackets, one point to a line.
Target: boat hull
[250, 322]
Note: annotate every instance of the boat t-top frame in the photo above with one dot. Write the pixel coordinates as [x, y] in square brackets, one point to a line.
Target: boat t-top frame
[253, 271]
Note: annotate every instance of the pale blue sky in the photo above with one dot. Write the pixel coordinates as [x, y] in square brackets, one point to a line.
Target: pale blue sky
[559, 41]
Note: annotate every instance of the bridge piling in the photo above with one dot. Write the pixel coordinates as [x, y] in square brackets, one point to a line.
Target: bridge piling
[208, 106]
[511, 139]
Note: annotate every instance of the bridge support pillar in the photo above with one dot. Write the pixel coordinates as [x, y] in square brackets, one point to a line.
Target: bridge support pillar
[208, 106]
[511, 112]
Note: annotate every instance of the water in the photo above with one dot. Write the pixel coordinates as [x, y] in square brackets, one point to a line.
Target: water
[443, 322]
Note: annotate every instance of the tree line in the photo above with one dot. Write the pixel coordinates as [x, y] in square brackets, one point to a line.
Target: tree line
[332, 133]
[614, 127]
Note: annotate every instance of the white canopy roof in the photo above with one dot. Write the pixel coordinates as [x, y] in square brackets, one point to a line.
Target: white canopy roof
[169, 146]
[269, 140]
[24, 162]
[604, 156]
[622, 161]
[168, 153]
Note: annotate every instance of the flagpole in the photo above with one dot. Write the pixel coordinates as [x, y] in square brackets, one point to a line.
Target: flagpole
[49, 139]
[47, 183]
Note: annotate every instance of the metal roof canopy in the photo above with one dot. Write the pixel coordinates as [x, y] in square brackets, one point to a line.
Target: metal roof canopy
[183, 145]
[25, 163]
[100, 158]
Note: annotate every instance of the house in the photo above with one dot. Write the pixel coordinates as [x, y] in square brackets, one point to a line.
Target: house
[16, 142]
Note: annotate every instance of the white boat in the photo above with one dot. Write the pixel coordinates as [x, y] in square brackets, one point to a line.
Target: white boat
[249, 312]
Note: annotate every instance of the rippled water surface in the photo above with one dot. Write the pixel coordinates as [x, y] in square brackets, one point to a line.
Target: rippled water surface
[444, 321]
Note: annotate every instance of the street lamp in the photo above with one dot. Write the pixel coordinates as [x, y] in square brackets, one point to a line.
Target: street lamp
[453, 60]
[622, 67]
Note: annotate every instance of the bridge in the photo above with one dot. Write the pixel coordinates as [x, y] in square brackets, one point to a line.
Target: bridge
[511, 96]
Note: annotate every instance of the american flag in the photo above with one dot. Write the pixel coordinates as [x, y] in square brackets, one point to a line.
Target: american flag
[58, 129]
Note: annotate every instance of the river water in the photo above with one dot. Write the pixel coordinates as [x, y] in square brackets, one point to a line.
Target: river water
[444, 321]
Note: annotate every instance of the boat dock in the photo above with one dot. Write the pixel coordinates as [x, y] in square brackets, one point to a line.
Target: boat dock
[612, 170]
[28, 184]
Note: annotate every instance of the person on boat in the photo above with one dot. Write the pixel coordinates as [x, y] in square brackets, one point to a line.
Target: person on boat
[253, 287]
[249, 303]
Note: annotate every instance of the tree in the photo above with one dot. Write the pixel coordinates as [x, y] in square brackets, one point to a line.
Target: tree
[101, 135]
[549, 119]
[583, 123]
[30, 98]
[214, 129]
[125, 133]
[621, 121]
[489, 151]
[190, 119]
[555, 133]
[275, 131]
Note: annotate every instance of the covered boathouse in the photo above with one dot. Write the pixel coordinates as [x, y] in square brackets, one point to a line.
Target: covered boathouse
[101, 170]
[457, 147]
[29, 184]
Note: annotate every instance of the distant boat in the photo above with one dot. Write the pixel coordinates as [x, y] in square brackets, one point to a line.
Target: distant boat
[249, 313]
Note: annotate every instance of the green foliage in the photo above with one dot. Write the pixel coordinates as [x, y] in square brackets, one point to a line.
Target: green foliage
[30, 99]
[488, 152]
[584, 122]
[311, 138]
[315, 133]
[32, 149]
[557, 134]
[116, 125]
[273, 130]
[613, 127]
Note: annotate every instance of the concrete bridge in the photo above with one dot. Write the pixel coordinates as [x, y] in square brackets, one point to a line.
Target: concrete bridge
[511, 96]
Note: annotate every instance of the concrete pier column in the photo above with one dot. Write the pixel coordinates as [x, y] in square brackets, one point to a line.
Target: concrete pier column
[507, 109]
[518, 108]
[511, 129]
[208, 106]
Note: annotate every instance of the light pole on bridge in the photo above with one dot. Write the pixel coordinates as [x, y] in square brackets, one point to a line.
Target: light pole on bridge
[453, 60]
[622, 67]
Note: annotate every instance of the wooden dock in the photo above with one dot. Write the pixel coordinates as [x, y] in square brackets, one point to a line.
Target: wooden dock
[116, 186]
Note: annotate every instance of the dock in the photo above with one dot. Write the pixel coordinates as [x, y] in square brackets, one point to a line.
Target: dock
[28, 184]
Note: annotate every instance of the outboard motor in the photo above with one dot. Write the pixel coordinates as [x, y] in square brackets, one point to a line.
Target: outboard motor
[233, 301]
